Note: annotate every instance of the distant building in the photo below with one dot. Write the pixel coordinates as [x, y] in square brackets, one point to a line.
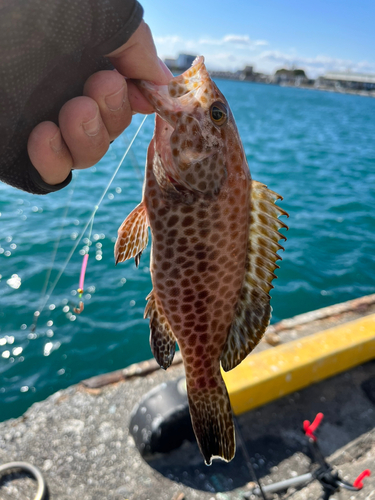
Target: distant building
[295, 77]
[248, 72]
[250, 75]
[184, 61]
[348, 80]
[225, 75]
[171, 63]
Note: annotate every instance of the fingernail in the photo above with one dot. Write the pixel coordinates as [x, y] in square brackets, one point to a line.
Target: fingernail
[92, 127]
[115, 101]
[56, 143]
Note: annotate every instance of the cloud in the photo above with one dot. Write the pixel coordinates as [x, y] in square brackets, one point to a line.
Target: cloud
[261, 42]
[170, 39]
[235, 51]
[235, 42]
[314, 66]
[242, 41]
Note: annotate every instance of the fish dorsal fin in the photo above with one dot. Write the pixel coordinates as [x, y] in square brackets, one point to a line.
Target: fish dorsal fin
[132, 235]
[162, 340]
[253, 310]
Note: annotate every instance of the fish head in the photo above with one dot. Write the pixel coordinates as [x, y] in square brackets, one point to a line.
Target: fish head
[195, 132]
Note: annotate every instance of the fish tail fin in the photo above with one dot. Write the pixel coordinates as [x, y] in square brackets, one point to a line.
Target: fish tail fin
[212, 420]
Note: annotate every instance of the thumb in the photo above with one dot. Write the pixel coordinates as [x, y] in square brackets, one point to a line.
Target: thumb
[138, 58]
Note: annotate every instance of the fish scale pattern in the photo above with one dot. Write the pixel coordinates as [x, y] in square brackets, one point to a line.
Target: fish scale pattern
[214, 242]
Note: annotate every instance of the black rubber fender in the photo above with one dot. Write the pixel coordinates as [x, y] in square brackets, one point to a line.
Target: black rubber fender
[161, 422]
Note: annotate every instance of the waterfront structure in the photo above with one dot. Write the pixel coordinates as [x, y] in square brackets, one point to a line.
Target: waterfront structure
[347, 80]
[295, 77]
[170, 62]
[344, 82]
[182, 63]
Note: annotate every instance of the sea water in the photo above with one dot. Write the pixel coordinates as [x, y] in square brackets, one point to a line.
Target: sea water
[316, 149]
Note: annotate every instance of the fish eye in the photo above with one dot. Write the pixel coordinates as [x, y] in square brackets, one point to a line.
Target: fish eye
[218, 113]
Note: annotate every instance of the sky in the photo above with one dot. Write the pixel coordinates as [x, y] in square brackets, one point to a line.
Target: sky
[318, 36]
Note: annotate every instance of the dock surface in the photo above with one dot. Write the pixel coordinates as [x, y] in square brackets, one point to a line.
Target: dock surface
[80, 440]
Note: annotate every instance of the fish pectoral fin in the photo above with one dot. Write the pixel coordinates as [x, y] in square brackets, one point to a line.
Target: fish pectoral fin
[162, 340]
[253, 310]
[132, 235]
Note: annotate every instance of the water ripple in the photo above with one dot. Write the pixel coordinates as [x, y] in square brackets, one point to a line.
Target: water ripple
[316, 149]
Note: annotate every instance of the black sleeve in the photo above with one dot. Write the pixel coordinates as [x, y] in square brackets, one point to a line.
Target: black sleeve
[48, 49]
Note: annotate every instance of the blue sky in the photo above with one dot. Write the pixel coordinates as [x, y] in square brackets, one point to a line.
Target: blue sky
[319, 36]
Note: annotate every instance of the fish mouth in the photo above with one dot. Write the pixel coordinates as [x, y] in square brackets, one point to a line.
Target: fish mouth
[181, 97]
[189, 81]
[181, 91]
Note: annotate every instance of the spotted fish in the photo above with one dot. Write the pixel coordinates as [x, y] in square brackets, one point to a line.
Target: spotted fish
[214, 247]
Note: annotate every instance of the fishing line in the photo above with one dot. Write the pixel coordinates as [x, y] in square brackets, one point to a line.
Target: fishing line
[54, 253]
[90, 221]
[134, 162]
[247, 458]
[81, 284]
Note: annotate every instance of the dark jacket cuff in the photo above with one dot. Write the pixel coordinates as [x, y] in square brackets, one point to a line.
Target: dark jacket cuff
[40, 186]
[131, 22]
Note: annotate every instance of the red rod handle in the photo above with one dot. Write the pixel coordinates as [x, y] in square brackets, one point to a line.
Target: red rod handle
[311, 428]
[358, 483]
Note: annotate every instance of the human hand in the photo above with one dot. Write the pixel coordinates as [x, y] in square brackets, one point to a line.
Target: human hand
[87, 124]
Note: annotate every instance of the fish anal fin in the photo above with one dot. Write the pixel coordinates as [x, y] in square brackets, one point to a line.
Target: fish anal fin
[132, 235]
[162, 340]
[253, 310]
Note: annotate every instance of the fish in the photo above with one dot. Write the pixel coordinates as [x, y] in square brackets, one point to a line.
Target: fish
[215, 237]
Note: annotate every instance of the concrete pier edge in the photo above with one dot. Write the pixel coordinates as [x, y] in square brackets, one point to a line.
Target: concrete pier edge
[80, 438]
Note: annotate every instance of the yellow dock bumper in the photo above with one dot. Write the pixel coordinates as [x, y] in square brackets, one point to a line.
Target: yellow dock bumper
[271, 374]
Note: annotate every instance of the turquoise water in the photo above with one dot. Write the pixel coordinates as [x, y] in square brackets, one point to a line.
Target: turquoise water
[316, 149]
